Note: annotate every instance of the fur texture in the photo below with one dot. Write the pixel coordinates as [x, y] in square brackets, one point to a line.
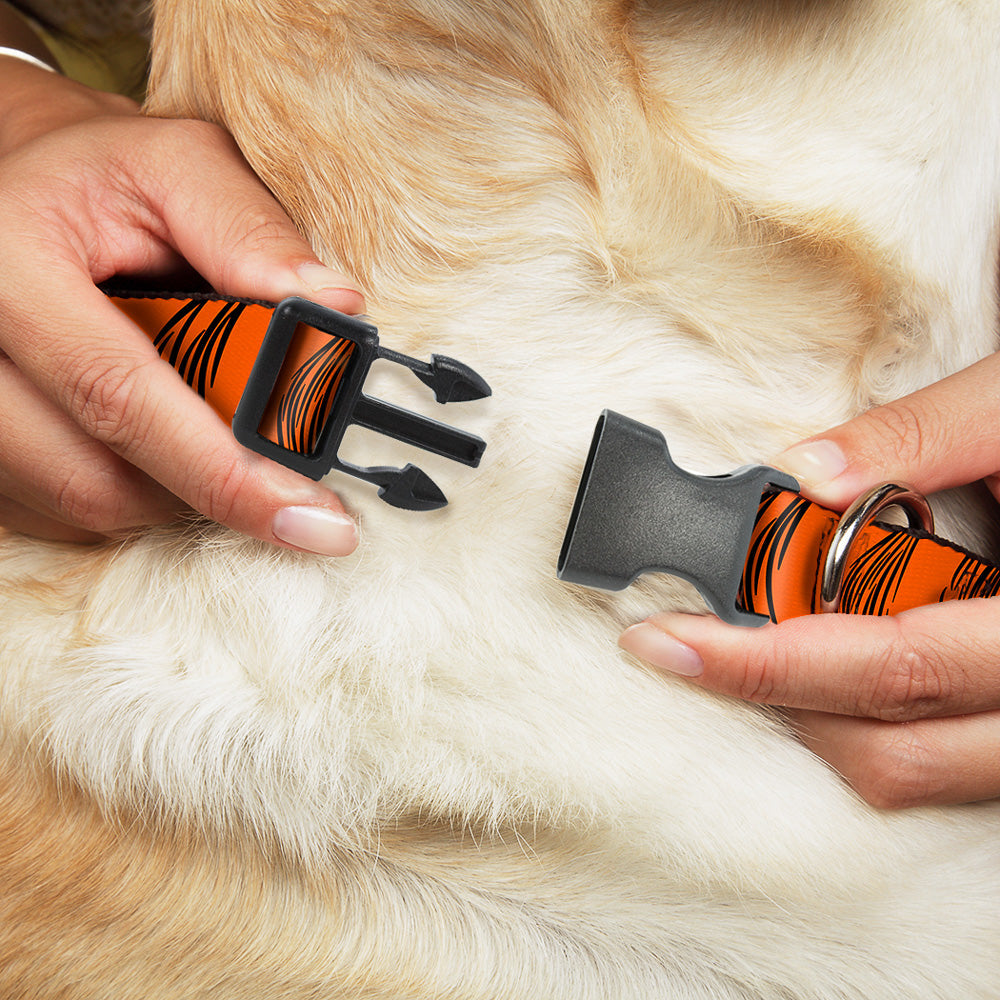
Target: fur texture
[427, 770]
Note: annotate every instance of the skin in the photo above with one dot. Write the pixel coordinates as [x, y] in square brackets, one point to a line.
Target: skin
[906, 708]
[97, 434]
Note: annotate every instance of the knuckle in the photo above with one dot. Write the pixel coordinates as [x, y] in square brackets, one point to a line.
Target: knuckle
[106, 398]
[256, 230]
[92, 501]
[900, 429]
[768, 671]
[909, 680]
[754, 682]
[219, 496]
[759, 677]
[897, 768]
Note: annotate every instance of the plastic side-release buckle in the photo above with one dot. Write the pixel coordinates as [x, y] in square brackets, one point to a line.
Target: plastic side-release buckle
[637, 512]
[353, 346]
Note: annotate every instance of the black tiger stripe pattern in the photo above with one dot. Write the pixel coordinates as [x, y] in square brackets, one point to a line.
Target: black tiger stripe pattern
[197, 357]
[765, 555]
[891, 568]
[305, 406]
[872, 582]
[973, 578]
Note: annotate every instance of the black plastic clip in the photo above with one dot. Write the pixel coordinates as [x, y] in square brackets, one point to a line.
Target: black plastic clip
[408, 487]
[637, 512]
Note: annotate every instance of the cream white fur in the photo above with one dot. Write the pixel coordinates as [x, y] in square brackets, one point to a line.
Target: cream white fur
[666, 843]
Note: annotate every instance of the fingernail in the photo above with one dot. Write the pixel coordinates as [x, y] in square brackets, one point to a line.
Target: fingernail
[661, 650]
[814, 463]
[316, 529]
[322, 281]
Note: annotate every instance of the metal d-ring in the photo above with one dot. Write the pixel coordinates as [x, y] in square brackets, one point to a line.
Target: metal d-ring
[861, 512]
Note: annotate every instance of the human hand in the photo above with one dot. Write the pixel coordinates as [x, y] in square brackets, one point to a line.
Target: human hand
[906, 708]
[97, 434]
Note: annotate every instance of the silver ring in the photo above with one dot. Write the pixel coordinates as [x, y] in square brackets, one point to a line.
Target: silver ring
[861, 512]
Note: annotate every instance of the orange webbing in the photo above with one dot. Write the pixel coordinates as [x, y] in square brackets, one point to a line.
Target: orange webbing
[213, 343]
[888, 569]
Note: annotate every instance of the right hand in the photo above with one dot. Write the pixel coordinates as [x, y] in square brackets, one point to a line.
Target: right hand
[907, 707]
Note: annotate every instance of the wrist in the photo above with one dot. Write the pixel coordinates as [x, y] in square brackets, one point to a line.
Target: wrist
[24, 63]
[34, 102]
[28, 92]
[34, 97]
[9, 53]
[18, 39]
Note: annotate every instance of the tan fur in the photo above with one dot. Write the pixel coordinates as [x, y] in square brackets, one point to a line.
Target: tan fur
[426, 770]
[114, 910]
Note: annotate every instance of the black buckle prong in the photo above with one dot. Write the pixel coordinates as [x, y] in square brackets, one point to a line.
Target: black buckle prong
[450, 380]
[422, 432]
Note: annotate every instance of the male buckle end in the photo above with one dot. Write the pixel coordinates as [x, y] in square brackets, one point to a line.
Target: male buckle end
[328, 388]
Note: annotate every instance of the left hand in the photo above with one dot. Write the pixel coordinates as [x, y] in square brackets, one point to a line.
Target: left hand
[906, 708]
[98, 435]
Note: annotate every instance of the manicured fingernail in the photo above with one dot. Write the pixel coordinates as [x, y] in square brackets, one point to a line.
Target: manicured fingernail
[316, 529]
[814, 463]
[661, 650]
[322, 281]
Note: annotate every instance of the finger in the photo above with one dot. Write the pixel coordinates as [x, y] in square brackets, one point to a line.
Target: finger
[937, 660]
[15, 516]
[933, 439]
[897, 765]
[225, 222]
[49, 464]
[96, 366]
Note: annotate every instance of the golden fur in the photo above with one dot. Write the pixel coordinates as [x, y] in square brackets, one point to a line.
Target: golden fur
[425, 770]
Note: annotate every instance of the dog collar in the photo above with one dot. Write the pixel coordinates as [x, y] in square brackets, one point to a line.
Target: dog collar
[755, 549]
[289, 378]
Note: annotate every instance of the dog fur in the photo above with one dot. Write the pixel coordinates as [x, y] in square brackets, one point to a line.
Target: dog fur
[426, 770]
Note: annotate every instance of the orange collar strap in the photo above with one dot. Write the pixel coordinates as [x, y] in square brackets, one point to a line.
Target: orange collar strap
[755, 549]
[887, 569]
[289, 379]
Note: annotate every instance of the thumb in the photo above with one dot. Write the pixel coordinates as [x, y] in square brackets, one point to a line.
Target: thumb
[933, 439]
